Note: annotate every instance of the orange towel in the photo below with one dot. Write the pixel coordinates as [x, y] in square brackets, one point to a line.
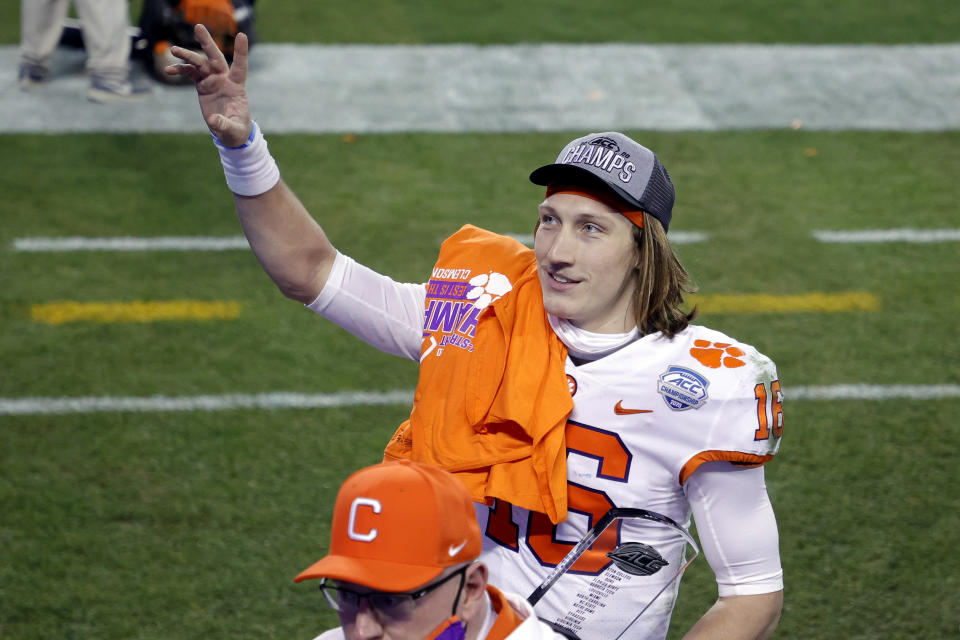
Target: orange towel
[492, 405]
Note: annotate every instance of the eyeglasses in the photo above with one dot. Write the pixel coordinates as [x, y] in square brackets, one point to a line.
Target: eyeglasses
[394, 605]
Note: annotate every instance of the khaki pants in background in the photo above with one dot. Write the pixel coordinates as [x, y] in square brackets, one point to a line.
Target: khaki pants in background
[104, 25]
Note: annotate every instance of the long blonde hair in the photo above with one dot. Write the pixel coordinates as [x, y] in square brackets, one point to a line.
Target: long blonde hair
[662, 282]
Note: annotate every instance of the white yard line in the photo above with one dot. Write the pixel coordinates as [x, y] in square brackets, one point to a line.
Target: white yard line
[874, 392]
[231, 243]
[160, 243]
[889, 235]
[676, 237]
[211, 243]
[292, 400]
[276, 400]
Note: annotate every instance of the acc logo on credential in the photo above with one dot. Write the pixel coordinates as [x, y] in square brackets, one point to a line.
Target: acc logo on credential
[682, 388]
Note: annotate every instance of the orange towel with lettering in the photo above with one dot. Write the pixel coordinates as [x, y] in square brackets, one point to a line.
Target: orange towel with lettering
[492, 400]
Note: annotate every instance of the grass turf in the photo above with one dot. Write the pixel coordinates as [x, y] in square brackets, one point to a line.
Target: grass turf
[195, 523]
[123, 525]
[498, 21]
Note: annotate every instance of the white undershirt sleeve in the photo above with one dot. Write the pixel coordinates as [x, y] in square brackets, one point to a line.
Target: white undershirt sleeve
[736, 527]
[383, 313]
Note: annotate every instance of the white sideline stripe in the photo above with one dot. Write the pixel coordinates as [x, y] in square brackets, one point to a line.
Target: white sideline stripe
[889, 235]
[533, 87]
[291, 400]
[160, 243]
[676, 237]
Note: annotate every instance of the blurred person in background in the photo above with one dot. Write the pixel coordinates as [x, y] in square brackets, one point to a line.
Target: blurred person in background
[167, 23]
[105, 25]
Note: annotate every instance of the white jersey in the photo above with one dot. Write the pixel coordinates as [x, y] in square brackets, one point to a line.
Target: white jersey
[645, 418]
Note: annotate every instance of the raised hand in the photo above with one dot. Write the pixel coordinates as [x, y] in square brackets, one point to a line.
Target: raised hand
[221, 88]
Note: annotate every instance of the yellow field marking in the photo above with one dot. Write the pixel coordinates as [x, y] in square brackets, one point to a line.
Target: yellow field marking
[56, 313]
[804, 303]
[139, 311]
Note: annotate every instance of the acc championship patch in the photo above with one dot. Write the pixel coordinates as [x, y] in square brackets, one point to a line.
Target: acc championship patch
[637, 559]
[682, 388]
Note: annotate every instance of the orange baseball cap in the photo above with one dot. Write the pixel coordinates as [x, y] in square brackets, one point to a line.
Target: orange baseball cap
[396, 526]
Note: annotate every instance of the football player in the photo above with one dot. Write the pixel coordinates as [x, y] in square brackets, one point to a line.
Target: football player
[556, 383]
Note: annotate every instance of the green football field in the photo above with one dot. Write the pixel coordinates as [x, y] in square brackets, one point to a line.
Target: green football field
[169, 523]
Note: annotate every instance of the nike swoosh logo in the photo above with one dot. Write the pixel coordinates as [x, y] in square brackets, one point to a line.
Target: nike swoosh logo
[620, 411]
[454, 550]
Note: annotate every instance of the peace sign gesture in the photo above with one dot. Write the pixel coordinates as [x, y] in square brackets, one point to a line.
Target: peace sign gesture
[221, 88]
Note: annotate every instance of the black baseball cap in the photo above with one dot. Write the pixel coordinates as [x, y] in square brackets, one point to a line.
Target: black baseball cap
[614, 162]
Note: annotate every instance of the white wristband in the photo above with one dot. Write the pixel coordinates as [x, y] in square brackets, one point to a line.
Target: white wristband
[249, 169]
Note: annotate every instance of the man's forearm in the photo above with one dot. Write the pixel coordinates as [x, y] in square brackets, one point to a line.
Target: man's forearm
[288, 242]
[739, 618]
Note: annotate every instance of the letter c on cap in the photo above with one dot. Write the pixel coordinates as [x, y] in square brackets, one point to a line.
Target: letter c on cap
[369, 535]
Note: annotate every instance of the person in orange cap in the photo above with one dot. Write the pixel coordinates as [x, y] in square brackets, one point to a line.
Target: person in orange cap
[403, 563]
